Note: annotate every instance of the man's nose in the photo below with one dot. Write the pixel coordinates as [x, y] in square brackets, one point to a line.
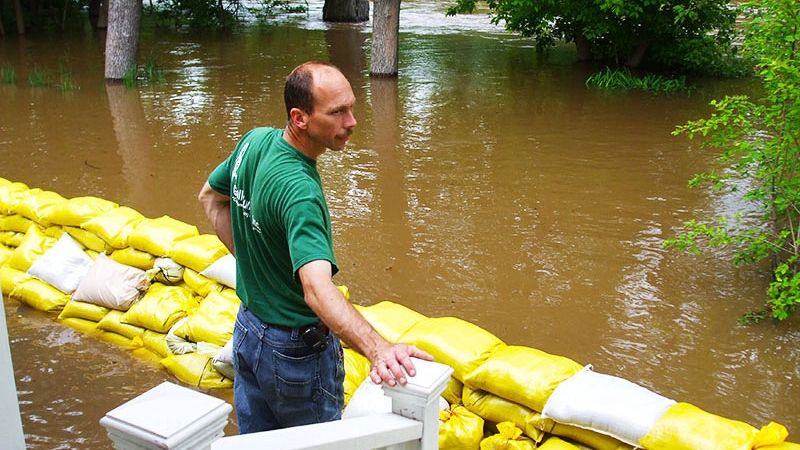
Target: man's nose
[350, 120]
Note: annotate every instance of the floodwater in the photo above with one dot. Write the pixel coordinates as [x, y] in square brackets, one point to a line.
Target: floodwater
[485, 182]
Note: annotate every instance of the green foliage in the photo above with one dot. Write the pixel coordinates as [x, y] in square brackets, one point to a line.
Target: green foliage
[38, 78]
[130, 78]
[217, 14]
[65, 81]
[8, 75]
[150, 72]
[759, 147]
[623, 79]
[683, 34]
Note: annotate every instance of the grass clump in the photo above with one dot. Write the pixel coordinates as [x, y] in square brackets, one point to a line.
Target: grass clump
[65, 81]
[38, 78]
[623, 79]
[8, 75]
[150, 72]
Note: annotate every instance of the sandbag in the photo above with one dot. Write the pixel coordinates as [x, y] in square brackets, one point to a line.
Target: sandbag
[498, 410]
[589, 438]
[5, 254]
[606, 404]
[687, 427]
[222, 271]
[356, 370]
[77, 211]
[200, 284]
[87, 239]
[15, 222]
[112, 322]
[134, 258]
[554, 443]
[158, 236]
[11, 278]
[212, 321]
[367, 400]
[509, 438]
[82, 310]
[155, 342]
[35, 293]
[115, 225]
[82, 325]
[161, 307]
[223, 361]
[523, 375]
[198, 252]
[33, 245]
[196, 369]
[116, 339]
[111, 284]
[10, 195]
[36, 204]
[459, 429]
[11, 238]
[454, 391]
[390, 319]
[179, 345]
[452, 341]
[63, 266]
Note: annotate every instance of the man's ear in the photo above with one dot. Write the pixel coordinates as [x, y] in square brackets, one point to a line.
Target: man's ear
[299, 118]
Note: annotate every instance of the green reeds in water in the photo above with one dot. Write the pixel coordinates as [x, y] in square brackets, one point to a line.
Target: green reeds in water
[65, 81]
[38, 78]
[623, 79]
[150, 73]
[8, 75]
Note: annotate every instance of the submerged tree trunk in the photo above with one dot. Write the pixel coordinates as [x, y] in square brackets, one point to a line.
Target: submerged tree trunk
[98, 13]
[122, 40]
[20, 17]
[583, 47]
[385, 39]
[345, 11]
[2, 30]
[637, 56]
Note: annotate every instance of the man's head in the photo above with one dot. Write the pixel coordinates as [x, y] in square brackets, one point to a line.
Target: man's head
[319, 105]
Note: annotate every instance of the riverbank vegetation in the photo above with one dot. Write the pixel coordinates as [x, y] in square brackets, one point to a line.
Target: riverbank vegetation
[758, 140]
[624, 79]
[150, 72]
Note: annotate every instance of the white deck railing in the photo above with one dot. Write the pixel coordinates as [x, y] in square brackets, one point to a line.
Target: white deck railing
[173, 417]
[10, 421]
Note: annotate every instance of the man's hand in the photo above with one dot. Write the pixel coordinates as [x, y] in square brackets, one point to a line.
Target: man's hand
[389, 363]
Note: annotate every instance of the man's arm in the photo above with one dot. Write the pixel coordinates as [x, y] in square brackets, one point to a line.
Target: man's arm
[339, 315]
[218, 210]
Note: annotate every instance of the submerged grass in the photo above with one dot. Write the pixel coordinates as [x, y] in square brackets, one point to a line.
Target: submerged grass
[149, 73]
[65, 81]
[8, 75]
[623, 79]
[38, 78]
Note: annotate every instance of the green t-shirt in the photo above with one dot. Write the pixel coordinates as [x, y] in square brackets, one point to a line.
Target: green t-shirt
[280, 222]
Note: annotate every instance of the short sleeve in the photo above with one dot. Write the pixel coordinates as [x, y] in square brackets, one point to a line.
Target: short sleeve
[308, 234]
[220, 178]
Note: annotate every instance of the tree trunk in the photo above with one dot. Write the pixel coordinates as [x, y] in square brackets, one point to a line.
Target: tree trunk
[583, 47]
[2, 30]
[636, 57]
[102, 17]
[122, 40]
[20, 17]
[345, 11]
[385, 37]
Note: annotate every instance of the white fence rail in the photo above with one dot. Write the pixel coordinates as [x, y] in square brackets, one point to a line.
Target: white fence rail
[10, 421]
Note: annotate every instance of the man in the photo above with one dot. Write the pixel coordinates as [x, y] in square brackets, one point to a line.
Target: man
[267, 205]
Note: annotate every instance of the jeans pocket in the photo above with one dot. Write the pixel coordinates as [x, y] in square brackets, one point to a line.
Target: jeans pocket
[296, 378]
[239, 335]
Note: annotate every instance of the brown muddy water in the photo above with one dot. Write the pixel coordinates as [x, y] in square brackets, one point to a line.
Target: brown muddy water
[486, 183]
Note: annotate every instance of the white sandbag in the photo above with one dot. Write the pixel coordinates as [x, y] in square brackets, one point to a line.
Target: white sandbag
[223, 361]
[222, 271]
[167, 271]
[178, 345]
[63, 266]
[606, 404]
[367, 400]
[111, 284]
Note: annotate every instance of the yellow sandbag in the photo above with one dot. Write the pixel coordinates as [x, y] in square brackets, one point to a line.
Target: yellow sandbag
[591, 439]
[5, 253]
[200, 284]
[498, 410]
[36, 204]
[453, 341]
[11, 278]
[116, 339]
[86, 326]
[212, 321]
[345, 291]
[53, 231]
[10, 195]
[453, 392]
[34, 245]
[114, 225]
[155, 342]
[687, 427]
[40, 295]
[196, 369]
[11, 238]
[158, 236]
[87, 239]
[459, 429]
[112, 322]
[77, 211]
[15, 222]
[198, 252]
[523, 375]
[161, 307]
[390, 319]
[145, 354]
[784, 446]
[554, 443]
[509, 438]
[356, 370]
[82, 310]
[134, 258]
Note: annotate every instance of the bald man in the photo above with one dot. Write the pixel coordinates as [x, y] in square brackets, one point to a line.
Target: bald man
[266, 203]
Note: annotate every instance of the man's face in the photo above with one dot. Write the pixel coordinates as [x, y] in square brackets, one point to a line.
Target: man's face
[332, 122]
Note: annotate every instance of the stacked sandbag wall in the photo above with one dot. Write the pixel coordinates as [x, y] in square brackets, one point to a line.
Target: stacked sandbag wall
[165, 291]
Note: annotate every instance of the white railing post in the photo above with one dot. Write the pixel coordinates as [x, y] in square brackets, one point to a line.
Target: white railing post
[419, 399]
[10, 421]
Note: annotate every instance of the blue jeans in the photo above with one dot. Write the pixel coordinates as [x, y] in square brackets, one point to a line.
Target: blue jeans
[280, 381]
